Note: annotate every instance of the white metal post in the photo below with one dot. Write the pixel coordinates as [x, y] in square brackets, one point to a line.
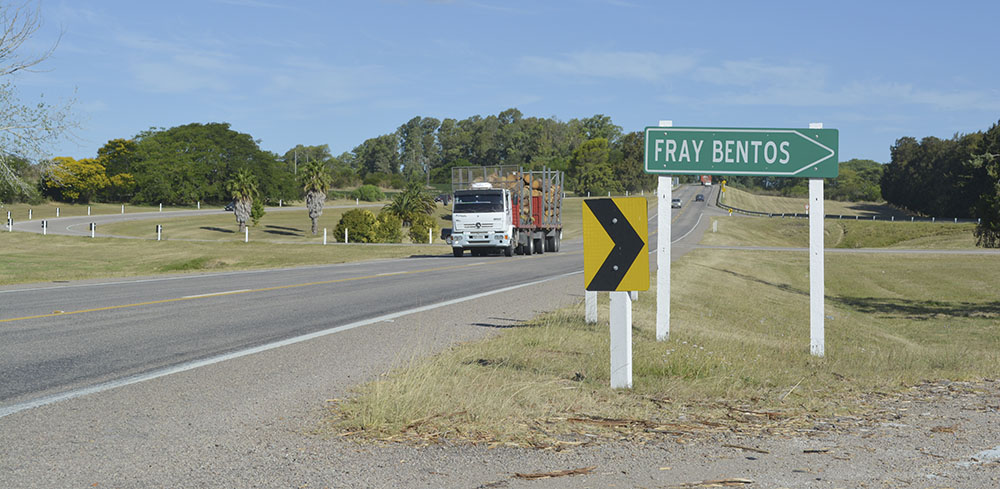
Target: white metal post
[93, 229]
[621, 340]
[57, 212]
[345, 236]
[161, 206]
[324, 236]
[430, 236]
[123, 208]
[246, 234]
[590, 304]
[665, 193]
[199, 205]
[29, 214]
[816, 272]
[159, 231]
[88, 210]
[45, 227]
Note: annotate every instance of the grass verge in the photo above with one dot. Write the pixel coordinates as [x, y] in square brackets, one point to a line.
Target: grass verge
[771, 231]
[35, 258]
[737, 359]
[790, 205]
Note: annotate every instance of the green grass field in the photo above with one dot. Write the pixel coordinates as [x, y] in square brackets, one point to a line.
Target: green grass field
[35, 258]
[769, 203]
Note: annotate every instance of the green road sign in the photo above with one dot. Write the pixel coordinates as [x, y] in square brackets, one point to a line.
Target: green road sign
[807, 153]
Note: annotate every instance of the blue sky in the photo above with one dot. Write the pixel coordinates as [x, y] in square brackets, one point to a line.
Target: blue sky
[336, 73]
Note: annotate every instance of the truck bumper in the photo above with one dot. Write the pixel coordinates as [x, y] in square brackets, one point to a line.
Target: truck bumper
[480, 240]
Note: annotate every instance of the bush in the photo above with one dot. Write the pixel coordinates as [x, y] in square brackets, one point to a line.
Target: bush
[256, 211]
[388, 228]
[360, 225]
[421, 225]
[368, 193]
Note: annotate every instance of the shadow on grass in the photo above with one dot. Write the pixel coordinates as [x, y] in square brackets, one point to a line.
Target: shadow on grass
[218, 230]
[875, 210]
[285, 228]
[282, 233]
[784, 287]
[920, 310]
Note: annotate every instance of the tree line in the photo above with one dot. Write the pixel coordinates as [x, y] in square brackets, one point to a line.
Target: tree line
[957, 177]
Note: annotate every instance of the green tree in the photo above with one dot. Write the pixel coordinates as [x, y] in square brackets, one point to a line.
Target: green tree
[242, 188]
[378, 155]
[410, 203]
[985, 171]
[315, 182]
[590, 170]
[27, 127]
[193, 162]
[628, 163]
[297, 157]
[74, 180]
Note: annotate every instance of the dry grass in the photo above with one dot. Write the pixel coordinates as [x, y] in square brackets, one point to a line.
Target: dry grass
[737, 359]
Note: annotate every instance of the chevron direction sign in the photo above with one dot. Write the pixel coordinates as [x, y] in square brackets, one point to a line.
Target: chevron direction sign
[807, 153]
[615, 244]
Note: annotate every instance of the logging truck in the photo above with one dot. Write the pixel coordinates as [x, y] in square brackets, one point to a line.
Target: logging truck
[503, 209]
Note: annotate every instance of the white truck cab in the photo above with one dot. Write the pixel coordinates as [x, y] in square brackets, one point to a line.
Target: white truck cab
[482, 220]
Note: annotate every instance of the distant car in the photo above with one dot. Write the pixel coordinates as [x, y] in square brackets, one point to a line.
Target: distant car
[699, 198]
[443, 198]
[230, 206]
[676, 203]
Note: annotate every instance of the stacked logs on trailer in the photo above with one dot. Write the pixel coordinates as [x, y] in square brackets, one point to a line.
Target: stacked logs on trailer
[537, 194]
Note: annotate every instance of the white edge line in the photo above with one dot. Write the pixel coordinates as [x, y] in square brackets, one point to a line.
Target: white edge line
[163, 372]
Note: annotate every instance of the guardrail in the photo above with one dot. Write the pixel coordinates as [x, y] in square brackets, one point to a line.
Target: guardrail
[874, 217]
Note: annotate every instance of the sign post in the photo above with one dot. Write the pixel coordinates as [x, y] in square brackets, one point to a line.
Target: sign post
[616, 259]
[665, 192]
[805, 153]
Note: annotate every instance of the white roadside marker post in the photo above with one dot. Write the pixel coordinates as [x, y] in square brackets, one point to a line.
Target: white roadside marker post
[621, 340]
[246, 234]
[161, 206]
[123, 208]
[590, 298]
[29, 214]
[93, 229]
[665, 193]
[430, 236]
[88, 210]
[816, 272]
[45, 227]
[345, 236]
[159, 230]
[57, 212]
[324, 236]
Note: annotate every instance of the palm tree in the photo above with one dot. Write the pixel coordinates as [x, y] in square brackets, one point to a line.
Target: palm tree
[410, 202]
[243, 188]
[315, 181]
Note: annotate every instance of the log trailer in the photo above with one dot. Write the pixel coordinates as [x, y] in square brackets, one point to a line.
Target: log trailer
[505, 209]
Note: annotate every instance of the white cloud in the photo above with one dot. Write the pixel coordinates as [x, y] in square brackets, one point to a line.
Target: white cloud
[644, 66]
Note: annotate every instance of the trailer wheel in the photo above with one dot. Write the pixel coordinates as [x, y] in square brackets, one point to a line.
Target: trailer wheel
[550, 243]
[456, 251]
[540, 246]
[555, 244]
[529, 247]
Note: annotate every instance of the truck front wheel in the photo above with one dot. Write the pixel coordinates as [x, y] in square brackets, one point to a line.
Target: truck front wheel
[456, 251]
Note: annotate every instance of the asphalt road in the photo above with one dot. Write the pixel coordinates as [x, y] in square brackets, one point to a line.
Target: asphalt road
[58, 341]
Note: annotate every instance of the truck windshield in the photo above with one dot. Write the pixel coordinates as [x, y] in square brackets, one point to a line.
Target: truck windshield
[478, 202]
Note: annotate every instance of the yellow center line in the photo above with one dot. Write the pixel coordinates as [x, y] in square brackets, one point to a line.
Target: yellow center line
[234, 292]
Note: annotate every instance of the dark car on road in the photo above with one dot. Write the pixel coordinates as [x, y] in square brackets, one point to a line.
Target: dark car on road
[230, 206]
[444, 199]
[699, 198]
